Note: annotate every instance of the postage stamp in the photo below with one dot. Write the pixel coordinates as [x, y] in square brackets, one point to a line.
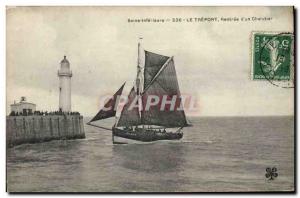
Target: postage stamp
[272, 56]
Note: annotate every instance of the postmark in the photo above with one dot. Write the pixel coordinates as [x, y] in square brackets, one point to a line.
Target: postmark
[273, 58]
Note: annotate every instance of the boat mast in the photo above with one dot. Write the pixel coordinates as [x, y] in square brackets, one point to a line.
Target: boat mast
[139, 70]
[139, 77]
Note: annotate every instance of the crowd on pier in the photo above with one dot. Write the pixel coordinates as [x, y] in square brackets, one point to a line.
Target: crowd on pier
[42, 113]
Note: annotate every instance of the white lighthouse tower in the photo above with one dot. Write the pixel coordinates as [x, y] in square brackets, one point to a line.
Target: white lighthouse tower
[64, 74]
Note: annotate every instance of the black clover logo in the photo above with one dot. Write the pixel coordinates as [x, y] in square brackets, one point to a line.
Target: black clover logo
[271, 173]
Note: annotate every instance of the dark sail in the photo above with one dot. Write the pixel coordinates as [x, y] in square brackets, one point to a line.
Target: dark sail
[165, 84]
[130, 116]
[153, 63]
[102, 114]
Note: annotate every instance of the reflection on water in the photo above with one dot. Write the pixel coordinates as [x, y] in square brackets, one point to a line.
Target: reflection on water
[217, 154]
[150, 166]
[150, 158]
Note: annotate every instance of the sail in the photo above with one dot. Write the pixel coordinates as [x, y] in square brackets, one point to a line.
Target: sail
[130, 112]
[164, 84]
[153, 63]
[110, 105]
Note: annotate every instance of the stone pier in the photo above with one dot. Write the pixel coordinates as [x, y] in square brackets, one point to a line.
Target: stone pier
[41, 128]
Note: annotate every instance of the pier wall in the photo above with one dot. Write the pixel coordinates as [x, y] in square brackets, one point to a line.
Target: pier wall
[41, 128]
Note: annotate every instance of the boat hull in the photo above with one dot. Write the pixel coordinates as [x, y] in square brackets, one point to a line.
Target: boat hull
[143, 135]
[121, 140]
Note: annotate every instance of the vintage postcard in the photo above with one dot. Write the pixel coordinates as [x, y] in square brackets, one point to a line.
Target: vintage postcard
[150, 99]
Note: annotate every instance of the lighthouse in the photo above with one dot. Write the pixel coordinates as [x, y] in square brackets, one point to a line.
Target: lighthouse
[64, 75]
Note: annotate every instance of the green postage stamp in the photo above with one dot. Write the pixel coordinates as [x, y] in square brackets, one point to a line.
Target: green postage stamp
[272, 56]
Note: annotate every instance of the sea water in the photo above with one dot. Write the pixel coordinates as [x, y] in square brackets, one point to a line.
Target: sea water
[216, 154]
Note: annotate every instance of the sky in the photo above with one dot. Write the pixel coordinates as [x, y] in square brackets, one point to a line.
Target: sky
[212, 59]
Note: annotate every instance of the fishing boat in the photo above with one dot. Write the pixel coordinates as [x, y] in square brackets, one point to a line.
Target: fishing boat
[153, 110]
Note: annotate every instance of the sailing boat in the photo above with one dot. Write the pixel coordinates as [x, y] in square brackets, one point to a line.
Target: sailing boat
[142, 119]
